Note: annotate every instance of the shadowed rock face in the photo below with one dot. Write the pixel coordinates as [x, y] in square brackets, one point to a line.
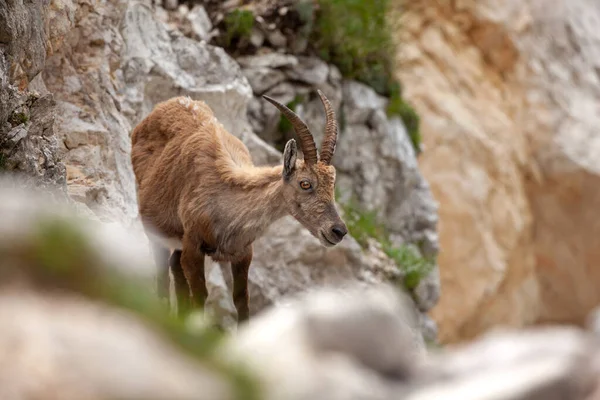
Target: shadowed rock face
[506, 93]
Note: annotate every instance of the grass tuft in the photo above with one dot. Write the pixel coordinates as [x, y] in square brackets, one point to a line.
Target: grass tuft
[364, 224]
[238, 26]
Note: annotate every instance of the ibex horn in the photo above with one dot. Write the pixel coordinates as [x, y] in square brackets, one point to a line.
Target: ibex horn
[331, 131]
[307, 142]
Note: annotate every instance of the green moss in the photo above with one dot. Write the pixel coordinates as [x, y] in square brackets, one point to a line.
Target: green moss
[238, 26]
[364, 224]
[2, 162]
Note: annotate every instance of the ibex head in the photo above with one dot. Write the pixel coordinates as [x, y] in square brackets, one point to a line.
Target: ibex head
[309, 184]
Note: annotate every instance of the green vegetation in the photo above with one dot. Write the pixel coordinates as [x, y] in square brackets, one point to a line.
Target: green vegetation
[355, 36]
[58, 257]
[363, 224]
[18, 118]
[285, 127]
[238, 26]
[2, 162]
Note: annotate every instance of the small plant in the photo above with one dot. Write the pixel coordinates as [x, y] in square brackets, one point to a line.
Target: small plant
[363, 225]
[414, 266]
[18, 118]
[284, 126]
[238, 26]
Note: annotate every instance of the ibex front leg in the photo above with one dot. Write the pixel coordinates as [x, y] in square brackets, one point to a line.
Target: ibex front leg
[240, 285]
[182, 289]
[192, 263]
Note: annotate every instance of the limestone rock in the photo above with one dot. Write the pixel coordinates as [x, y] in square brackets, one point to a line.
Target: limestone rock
[311, 70]
[93, 132]
[201, 25]
[28, 144]
[551, 363]
[344, 344]
[60, 332]
[262, 79]
[362, 101]
[505, 91]
[271, 60]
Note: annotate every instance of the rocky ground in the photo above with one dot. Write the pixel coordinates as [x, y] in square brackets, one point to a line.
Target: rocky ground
[80, 320]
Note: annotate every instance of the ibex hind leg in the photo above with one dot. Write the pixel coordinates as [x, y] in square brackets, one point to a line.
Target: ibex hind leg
[182, 289]
[241, 299]
[161, 260]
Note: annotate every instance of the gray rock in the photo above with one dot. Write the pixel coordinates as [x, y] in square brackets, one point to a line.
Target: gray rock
[157, 66]
[22, 28]
[311, 70]
[257, 37]
[344, 344]
[277, 39]
[93, 132]
[555, 363]
[200, 22]
[262, 79]
[50, 334]
[271, 60]
[360, 101]
[31, 148]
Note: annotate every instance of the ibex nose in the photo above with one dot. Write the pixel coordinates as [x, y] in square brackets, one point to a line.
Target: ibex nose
[339, 231]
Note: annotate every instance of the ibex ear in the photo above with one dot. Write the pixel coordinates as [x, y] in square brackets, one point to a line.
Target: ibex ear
[289, 158]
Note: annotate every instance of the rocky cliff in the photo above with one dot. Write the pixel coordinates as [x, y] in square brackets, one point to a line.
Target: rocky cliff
[79, 74]
[508, 94]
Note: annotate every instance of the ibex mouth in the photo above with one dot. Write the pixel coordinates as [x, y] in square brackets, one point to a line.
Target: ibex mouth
[325, 240]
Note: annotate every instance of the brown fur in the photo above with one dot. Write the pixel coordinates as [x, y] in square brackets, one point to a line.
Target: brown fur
[197, 185]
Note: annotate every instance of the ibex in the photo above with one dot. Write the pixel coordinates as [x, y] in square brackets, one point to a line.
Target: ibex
[200, 194]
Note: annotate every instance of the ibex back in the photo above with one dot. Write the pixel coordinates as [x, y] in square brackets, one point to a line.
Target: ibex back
[199, 194]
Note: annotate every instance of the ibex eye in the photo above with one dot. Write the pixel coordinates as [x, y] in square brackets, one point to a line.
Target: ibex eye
[305, 185]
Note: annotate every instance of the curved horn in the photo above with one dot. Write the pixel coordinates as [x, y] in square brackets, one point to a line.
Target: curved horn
[331, 131]
[307, 143]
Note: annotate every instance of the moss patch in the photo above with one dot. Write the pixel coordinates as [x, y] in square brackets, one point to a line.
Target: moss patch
[364, 224]
[238, 28]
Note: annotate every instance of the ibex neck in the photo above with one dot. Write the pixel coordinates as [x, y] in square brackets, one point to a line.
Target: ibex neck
[257, 203]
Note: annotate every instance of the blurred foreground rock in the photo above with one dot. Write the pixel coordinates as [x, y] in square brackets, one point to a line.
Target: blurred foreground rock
[80, 321]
